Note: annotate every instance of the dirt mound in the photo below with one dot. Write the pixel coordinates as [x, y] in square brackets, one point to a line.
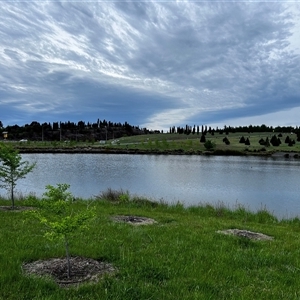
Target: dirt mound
[16, 208]
[134, 220]
[247, 234]
[83, 270]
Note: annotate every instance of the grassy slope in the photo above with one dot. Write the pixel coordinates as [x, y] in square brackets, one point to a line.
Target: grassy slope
[180, 257]
[169, 142]
[191, 142]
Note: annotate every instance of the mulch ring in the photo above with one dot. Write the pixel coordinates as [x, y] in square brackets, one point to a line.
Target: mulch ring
[83, 270]
[134, 220]
[247, 234]
[16, 208]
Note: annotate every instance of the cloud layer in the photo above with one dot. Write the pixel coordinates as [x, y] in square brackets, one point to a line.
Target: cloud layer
[154, 64]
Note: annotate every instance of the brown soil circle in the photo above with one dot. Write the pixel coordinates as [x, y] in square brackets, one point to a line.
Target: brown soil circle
[83, 270]
[134, 220]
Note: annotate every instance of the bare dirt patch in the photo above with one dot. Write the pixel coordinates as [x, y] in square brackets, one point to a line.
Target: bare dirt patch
[16, 208]
[134, 220]
[247, 234]
[83, 270]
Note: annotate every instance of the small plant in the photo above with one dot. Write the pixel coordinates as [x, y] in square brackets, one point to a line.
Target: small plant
[209, 145]
[12, 168]
[124, 198]
[57, 213]
[113, 195]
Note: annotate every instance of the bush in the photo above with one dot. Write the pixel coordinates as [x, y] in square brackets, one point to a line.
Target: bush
[226, 141]
[209, 145]
[114, 195]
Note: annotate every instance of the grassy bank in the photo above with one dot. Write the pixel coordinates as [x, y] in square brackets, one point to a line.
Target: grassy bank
[180, 257]
[169, 144]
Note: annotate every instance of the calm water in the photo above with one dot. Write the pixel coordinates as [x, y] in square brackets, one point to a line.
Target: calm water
[253, 181]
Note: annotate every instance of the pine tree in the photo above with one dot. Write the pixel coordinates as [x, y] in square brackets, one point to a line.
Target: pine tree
[242, 140]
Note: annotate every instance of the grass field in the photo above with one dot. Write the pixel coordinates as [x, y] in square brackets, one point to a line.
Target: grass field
[192, 142]
[180, 257]
[168, 143]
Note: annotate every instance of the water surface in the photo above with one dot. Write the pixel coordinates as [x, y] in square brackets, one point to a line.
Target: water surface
[255, 182]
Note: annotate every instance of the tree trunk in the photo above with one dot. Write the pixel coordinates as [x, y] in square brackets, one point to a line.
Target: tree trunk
[12, 196]
[68, 258]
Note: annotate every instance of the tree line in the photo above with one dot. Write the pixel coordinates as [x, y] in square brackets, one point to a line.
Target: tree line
[80, 131]
[203, 129]
[105, 130]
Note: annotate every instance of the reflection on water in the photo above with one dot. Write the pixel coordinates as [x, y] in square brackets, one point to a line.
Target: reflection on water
[254, 182]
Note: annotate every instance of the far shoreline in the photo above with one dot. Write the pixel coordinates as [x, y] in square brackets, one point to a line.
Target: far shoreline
[93, 150]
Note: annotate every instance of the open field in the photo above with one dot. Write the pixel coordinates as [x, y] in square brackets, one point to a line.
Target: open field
[172, 144]
[182, 256]
[192, 142]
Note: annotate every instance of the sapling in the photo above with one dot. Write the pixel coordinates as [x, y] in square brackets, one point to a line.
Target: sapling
[12, 168]
[209, 145]
[56, 212]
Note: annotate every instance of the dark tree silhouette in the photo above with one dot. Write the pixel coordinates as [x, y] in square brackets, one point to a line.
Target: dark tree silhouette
[242, 140]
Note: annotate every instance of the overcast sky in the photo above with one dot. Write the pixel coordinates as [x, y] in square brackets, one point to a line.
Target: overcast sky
[154, 64]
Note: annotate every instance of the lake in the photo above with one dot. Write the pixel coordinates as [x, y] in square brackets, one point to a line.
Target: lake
[254, 182]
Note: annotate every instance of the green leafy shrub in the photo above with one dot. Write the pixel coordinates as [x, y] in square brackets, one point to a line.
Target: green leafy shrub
[209, 145]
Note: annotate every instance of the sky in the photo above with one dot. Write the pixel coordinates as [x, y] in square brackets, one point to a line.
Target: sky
[153, 64]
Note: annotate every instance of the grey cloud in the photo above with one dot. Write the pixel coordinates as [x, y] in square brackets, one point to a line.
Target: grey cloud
[148, 58]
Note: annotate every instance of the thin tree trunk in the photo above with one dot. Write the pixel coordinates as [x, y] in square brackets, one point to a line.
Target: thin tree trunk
[12, 196]
[68, 257]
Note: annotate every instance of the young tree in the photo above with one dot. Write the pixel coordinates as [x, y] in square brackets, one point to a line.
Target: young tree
[287, 140]
[242, 140]
[226, 141]
[12, 168]
[275, 141]
[56, 211]
[209, 145]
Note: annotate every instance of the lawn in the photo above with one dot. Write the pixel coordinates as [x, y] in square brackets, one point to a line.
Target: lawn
[181, 256]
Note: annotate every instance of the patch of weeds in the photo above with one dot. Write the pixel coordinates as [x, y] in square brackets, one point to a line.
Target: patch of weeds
[112, 195]
[124, 198]
[143, 202]
[264, 216]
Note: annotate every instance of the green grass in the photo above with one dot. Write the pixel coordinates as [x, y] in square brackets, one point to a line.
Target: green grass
[178, 143]
[180, 257]
[191, 143]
